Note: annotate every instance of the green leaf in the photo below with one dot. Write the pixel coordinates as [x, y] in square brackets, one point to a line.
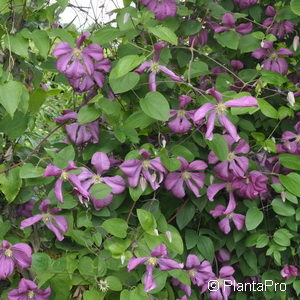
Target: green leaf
[295, 7]
[42, 42]
[100, 190]
[125, 65]
[179, 150]
[181, 275]
[176, 245]
[109, 107]
[189, 27]
[282, 237]
[198, 68]
[64, 156]
[229, 39]
[206, 247]
[138, 120]
[17, 44]
[291, 183]
[296, 286]
[11, 94]
[219, 146]
[93, 294]
[30, 171]
[273, 78]
[115, 226]
[124, 83]
[248, 43]
[146, 220]
[106, 35]
[282, 208]
[185, 216]
[41, 262]
[114, 283]
[88, 113]
[165, 34]
[290, 161]
[191, 238]
[156, 106]
[267, 109]
[16, 126]
[262, 241]
[10, 184]
[86, 266]
[253, 218]
[36, 99]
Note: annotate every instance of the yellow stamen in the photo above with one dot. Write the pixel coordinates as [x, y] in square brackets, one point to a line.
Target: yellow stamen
[152, 261]
[30, 294]
[64, 175]
[97, 179]
[181, 113]
[154, 67]
[186, 175]
[230, 156]
[146, 164]
[192, 272]
[221, 108]
[47, 218]
[8, 253]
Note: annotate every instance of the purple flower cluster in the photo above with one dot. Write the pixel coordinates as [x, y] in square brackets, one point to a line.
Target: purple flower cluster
[85, 67]
[161, 8]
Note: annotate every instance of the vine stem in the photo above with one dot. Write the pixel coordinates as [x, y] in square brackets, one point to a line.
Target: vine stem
[179, 210]
[34, 151]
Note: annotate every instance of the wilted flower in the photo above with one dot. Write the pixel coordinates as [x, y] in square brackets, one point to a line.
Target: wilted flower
[64, 175]
[154, 67]
[12, 256]
[181, 123]
[221, 292]
[159, 256]
[143, 171]
[57, 224]
[272, 60]
[229, 215]
[252, 186]
[161, 8]
[289, 271]
[28, 290]
[245, 3]
[276, 27]
[101, 163]
[218, 111]
[188, 175]
[234, 164]
[228, 20]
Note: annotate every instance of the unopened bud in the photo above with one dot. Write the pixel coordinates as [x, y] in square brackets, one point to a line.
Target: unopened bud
[283, 196]
[122, 259]
[156, 232]
[126, 18]
[211, 179]
[169, 236]
[164, 143]
[296, 42]
[291, 98]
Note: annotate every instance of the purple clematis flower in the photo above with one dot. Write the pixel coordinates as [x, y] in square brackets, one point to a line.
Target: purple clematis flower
[57, 224]
[154, 67]
[272, 60]
[223, 255]
[228, 213]
[243, 4]
[236, 165]
[252, 186]
[289, 271]
[189, 174]
[12, 256]
[291, 141]
[25, 209]
[222, 292]
[64, 175]
[144, 171]
[84, 66]
[200, 38]
[28, 290]
[101, 163]
[161, 8]
[218, 111]
[181, 124]
[159, 256]
[228, 20]
[275, 27]
[237, 64]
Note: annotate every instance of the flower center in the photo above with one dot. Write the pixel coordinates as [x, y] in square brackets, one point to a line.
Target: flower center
[298, 139]
[273, 56]
[220, 281]
[186, 175]
[97, 179]
[181, 113]
[76, 53]
[221, 108]
[247, 180]
[229, 187]
[230, 156]
[47, 218]
[8, 253]
[152, 261]
[146, 164]
[103, 285]
[230, 216]
[30, 294]
[64, 175]
[154, 67]
[192, 272]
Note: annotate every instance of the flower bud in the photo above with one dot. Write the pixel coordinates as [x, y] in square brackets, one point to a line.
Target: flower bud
[296, 42]
[291, 98]
[169, 236]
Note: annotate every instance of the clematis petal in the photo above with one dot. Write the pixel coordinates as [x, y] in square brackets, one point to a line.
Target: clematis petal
[135, 261]
[22, 255]
[101, 162]
[246, 101]
[7, 266]
[166, 264]
[30, 221]
[224, 225]
[52, 170]
[213, 189]
[224, 121]
[202, 111]
[228, 19]
[117, 184]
